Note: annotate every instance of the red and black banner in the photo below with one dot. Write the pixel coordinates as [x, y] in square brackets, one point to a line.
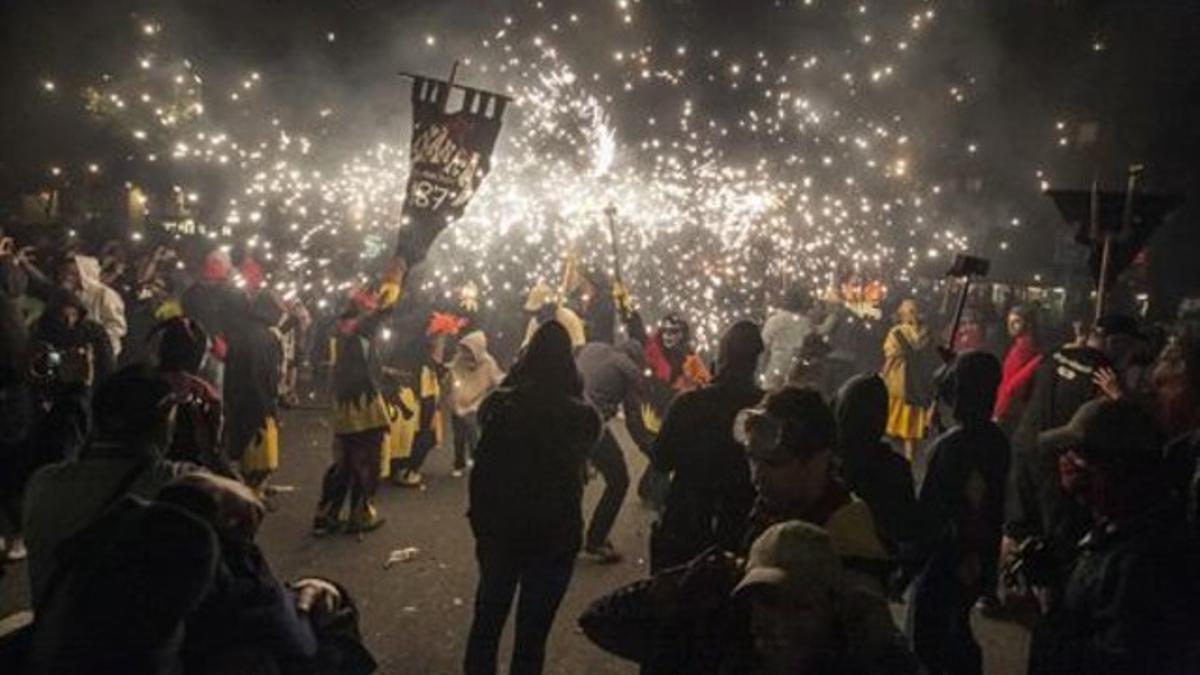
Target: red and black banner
[451, 153]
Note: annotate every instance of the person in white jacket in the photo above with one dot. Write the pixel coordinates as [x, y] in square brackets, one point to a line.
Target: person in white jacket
[784, 334]
[473, 375]
[103, 304]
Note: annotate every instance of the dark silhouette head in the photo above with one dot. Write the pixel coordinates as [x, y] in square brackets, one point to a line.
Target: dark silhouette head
[183, 346]
[547, 365]
[740, 347]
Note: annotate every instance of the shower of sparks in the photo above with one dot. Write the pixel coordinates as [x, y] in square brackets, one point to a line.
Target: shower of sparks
[833, 186]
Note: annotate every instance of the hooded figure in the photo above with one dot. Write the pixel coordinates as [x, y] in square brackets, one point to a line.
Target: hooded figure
[474, 373]
[103, 304]
[710, 494]
[962, 500]
[526, 500]
[85, 351]
[870, 468]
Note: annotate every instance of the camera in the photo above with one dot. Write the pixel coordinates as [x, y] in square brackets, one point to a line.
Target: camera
[51, 365]
[1033, 565]
[969, 266]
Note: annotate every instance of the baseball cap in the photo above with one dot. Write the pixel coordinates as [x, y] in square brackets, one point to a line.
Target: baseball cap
[792, 421]
[793, 556]
[1105, 432]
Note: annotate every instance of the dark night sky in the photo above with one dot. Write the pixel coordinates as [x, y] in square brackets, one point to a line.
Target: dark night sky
[1033, 58]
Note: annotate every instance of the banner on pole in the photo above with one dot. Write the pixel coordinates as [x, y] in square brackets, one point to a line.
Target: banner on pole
[450, 156]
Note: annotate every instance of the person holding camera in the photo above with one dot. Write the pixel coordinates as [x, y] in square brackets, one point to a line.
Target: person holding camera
[80, 352]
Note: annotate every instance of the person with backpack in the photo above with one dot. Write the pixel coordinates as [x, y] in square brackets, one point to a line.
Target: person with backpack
[907, 372]
[525, 500]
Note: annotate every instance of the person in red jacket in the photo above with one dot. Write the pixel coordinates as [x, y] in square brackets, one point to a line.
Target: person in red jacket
[1016, 375]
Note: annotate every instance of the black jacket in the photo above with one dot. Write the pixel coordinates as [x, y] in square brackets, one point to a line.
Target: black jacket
[84, 334]
[962, 497]
[1035, 504]
[1128, 606]
[251, 376]
[710, 495]
[871, 468]
[527, 485]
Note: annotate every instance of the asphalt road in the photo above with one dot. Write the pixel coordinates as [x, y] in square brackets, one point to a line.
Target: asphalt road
[415, 615]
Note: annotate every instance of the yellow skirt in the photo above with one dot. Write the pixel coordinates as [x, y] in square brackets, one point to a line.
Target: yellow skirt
[402, 432]
[906, 422]
[263, 453]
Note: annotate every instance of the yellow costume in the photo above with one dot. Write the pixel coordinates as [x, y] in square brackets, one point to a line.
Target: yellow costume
[905, 421]
[262, 456]
[403, 429]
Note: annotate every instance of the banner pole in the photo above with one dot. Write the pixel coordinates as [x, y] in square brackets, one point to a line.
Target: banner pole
[611, 212]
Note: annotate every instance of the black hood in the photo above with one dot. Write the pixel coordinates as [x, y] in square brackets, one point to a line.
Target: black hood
[861, 408]
[976, 377]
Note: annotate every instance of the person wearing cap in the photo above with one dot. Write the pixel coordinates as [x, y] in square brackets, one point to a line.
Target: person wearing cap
[1128, 602]
[710, 493]
[962, 504]
[1035, 504]
[133, 417]
[789, 440]
[787, 607]
[794, 584]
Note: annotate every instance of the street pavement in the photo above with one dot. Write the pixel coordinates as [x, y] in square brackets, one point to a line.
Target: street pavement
[415, 614]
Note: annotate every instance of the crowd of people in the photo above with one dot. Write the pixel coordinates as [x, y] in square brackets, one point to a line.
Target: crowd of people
[800, 482]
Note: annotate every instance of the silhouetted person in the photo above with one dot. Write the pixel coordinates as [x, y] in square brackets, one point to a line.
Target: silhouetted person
[962, 499]
[710, 493]
[1128, 605]
[525, 500]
